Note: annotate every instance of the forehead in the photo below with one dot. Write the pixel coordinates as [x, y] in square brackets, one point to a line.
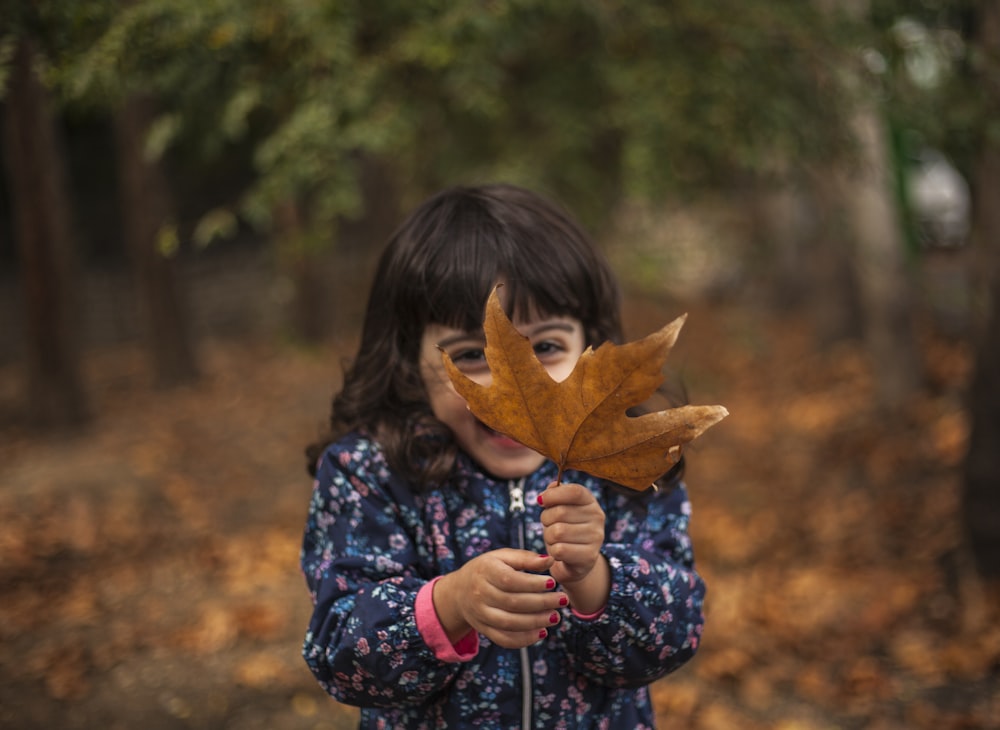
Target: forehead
[442, 335]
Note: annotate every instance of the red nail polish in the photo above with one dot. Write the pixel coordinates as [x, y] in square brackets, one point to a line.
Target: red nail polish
[554, 618]
[563, 601]
[543, 556]
[550, 583]
[540, 499]
[542, 634]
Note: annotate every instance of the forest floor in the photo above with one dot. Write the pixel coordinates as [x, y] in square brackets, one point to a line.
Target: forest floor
[149, 565]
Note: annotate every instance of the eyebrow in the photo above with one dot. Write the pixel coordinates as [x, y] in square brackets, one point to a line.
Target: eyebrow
[559, 325]
[478, 335]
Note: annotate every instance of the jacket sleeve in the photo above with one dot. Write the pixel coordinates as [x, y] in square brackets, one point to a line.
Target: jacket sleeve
[653, 620]
[361, 565]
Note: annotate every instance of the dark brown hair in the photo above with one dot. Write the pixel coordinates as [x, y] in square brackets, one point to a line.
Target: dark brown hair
[439, 267]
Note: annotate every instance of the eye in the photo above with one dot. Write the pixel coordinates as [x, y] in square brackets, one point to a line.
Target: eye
[469, 360]
[470, 355]
[547, 349]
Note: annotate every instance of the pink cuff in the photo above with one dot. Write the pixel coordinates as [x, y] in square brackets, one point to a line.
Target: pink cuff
[433, 633]
[589, 616]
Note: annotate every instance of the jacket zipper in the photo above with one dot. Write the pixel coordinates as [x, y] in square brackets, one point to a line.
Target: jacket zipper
[516, 489]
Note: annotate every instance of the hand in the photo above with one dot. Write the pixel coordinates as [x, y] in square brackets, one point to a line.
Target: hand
[574, 534]
[495, 595]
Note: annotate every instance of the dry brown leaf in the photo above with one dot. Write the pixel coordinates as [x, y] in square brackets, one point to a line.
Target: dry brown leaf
[581, 422]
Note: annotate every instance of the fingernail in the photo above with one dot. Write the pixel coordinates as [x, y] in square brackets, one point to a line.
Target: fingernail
[540, 499]
[542, 634]
[554, 618]
[563, 601]
[550, 583]
[543, 556]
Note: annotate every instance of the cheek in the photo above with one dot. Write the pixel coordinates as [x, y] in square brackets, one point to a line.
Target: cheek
[447, 405]
[443, 399]
[561, 370]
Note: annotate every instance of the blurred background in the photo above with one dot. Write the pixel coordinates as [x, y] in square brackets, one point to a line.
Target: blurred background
[192, 198]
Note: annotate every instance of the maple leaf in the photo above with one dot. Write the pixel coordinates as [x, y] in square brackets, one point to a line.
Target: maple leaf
[581, 422]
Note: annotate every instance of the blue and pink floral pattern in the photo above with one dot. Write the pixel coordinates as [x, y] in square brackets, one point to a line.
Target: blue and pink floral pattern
[372, 542]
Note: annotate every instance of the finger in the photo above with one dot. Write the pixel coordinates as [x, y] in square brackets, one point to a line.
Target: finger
[563, 494]
[511, 640]
[569, 573]
[524, 560]
[527, 604]
[575, 553]
[512, 630]
[522, 592]
[572, 515]
[568, 541]
[522, 628]
[500, 577]
[504, 620]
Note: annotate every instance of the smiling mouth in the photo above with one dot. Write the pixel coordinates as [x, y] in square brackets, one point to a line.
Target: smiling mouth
[500, 438]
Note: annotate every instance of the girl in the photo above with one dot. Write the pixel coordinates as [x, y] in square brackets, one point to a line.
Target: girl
[454, 584]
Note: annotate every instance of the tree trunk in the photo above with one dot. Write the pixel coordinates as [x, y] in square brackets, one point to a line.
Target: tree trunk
[981, 498]
[145, 214]
[309, 317]
[834, 300]
[48, 266]
[879, 254]
[882, 270]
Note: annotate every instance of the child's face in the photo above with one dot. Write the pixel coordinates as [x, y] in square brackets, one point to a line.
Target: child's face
[558, 343]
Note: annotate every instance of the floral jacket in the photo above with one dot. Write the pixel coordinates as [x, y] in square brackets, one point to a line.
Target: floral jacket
[373, 546]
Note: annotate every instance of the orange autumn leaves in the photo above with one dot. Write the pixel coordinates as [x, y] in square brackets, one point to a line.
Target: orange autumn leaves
[581, 422]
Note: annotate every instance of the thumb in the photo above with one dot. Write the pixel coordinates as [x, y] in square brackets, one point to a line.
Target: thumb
[526, 560]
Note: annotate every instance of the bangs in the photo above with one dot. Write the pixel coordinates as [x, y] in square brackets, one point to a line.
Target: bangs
[442, 264]
[545, 263]
[530, 287]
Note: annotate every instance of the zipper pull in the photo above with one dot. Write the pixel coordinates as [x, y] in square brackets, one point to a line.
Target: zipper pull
[517, 496]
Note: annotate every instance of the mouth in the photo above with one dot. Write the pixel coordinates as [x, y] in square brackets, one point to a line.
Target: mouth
[499, 439]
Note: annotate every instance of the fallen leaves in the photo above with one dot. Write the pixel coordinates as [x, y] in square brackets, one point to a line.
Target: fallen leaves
[824, 540]
[582, 422]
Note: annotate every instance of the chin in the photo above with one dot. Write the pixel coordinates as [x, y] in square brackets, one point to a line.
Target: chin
[510, 467]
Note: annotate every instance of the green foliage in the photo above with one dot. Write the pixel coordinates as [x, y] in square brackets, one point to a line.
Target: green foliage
[707, 90]
[934, 70]
[588, 100]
